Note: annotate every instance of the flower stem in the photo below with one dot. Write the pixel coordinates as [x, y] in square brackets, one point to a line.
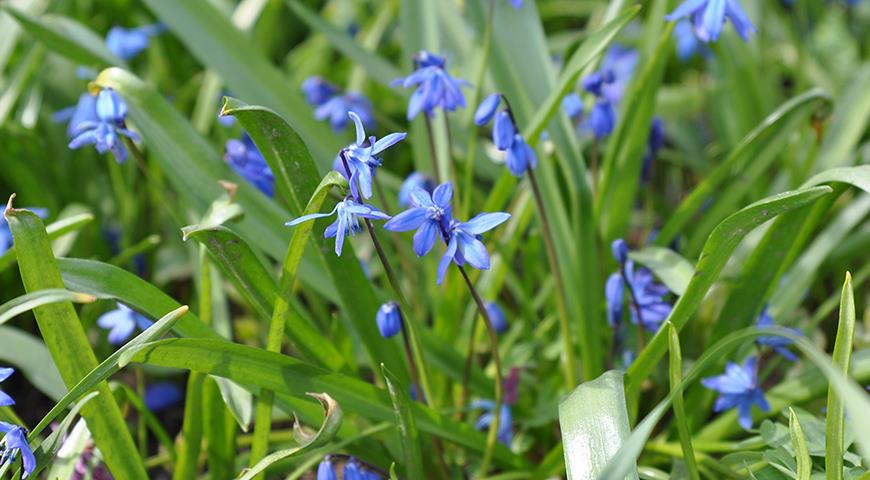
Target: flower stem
[641, 341]
[561, 302]
[492, 435]
[450, 163]
[436, 172]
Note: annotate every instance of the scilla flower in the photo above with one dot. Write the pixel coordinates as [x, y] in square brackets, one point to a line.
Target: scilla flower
[464, 245]
[348, 212]
[126, 43]
[435, 88]
[602, 119]
[317, 90]
[389, 319]
[496, 316]
[121, 323]
[505, 431]
[708, 17]
[516, 3]
[688, 44]
[245, 158]
[105, 132]
[414, 180]
[738, 388]
[325, 470]
[519, 156]
[161, 395]
[647, 305]
[333, 105]
[5, 399]
[84, 110]
[14, 441]
[362, 158]
[778, 344]
[429, 215]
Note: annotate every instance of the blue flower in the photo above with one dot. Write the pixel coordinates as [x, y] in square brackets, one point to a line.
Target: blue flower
[486, 109]
[317, 90]
[708, 18]
[620, 62]
[435, 88]
[105, 132]
[353, 471]
[688, 44]
[595, 81]
[161, 395]
[519, 155]
[655, 142]
[362, 160]
[325, 470]
[505, 431]
[503, 131]
[121, 323]
[602, 119]
[496, 316]
[84, 110]
[414, 180]
[619, 249]
[572, 104]
[336, 109]
[348, 212]
[778, 344]
[614, 294]
[245, 158]
[15, 439]
[429, 214]
[127, 43]
[5, 399]
[463, 244]
[516, 3]
[738, 387]
[389, 319]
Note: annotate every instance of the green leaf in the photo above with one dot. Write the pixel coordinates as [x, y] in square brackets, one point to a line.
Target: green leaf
[286, 375]
[842, 356]
[594, 423]
[755, 141]
[590, 50]
[29, 301]
[33, 360]
[108, 367]
[375, 65]
[307, 442]
[408, 435]
[190, 442]
[55, 231]
[721, 243]
[238, 400]
[218, 44]
[21, 79]
[66, 340]
[671, 268]
[858, 177]
[675, 375]
[621, 166]
[799, 444]
[66, 37]
[848, 122]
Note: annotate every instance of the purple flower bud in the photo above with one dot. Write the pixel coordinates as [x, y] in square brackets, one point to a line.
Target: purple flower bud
[503, 131]
[620, 250]
[496, 316]
[487, 109]
[389, 319]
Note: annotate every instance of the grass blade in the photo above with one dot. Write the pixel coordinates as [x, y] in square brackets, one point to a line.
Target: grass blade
[408, 434]
[799, 444]
[68, 344]
[55, 230]
[676, 376]
[842, 356]
[29, 301]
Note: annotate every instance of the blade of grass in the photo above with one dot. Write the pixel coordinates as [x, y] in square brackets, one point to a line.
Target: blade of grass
[676, 376]
[408, 434]
[799, 444]
[55, 230]
[66, 340]
[29, 301]
[842, 356]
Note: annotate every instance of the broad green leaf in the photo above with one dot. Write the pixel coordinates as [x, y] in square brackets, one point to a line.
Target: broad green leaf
[66, 37]
[246, 71]
[108, 367]
[375, 65]
[408, 434]
[29, 301]
[33, 360]
[286, 375]
[591, 49]
[766, 132]
[66, 340]
[671, 268]
[621, 166]
[675, 376]
[835, 419]
[55, 230]
[858, 177]
[721, 243]
[594, 423]
[799, 444]
[331, 421]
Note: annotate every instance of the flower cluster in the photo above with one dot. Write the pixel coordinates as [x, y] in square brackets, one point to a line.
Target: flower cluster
[126, 43]
[738, 388]
[14, 437]
[105, 127]
[245, 158]
[430, 215]
[352, 470]
[121, 322]
[519, 156]
[435, 88]
[646, 303]
[708, 17]
[333, 105]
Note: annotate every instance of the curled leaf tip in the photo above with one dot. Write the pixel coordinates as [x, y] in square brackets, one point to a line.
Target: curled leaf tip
[9, 205]
[228, 186]
[85, 298]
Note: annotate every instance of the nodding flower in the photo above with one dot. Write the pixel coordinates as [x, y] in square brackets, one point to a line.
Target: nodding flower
[708, 18]
[348, 213]
[361, 158]
[519, 156]
[106, 130]
[126, 43]
[435, 88]
[15, 441]
[121, 322]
